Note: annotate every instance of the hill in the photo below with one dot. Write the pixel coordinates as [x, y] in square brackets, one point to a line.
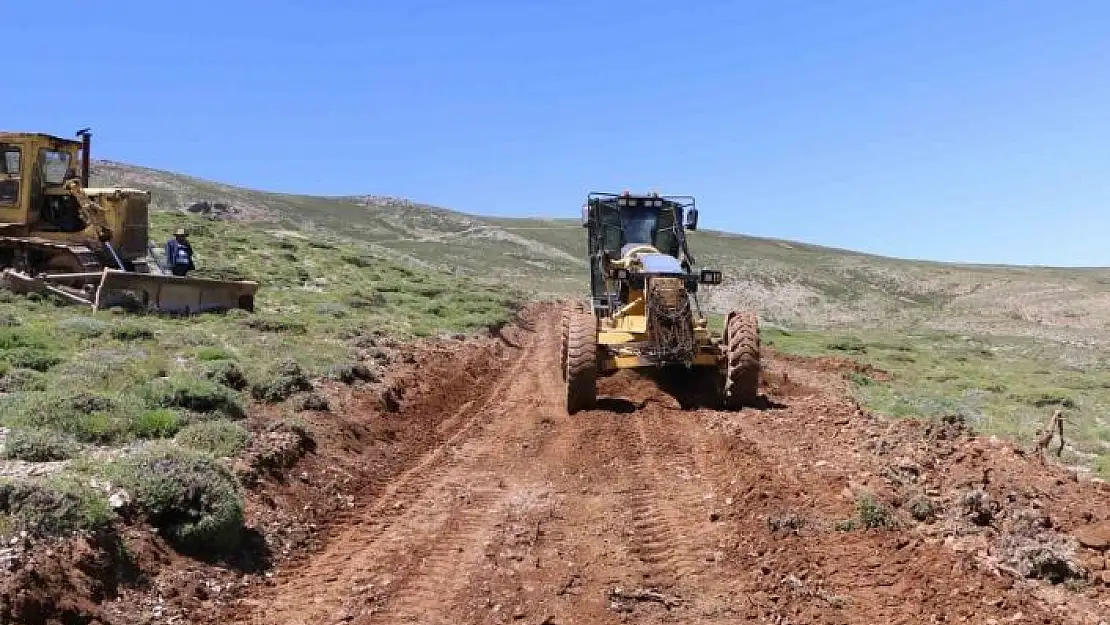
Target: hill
[794, 284]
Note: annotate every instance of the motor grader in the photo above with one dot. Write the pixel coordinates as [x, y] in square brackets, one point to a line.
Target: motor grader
[643, 311]
[87, 245]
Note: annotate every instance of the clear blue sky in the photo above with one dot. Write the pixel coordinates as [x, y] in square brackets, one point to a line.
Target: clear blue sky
[945, 129]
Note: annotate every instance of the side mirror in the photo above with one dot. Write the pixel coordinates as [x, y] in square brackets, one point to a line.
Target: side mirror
[585, 215]
[711, 277]
[692, 219]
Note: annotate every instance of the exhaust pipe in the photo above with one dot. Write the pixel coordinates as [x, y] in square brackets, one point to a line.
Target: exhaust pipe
[86, 155]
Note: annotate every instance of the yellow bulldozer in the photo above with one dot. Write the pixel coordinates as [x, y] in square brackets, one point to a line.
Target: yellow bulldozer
[88, 246]
[643, 311]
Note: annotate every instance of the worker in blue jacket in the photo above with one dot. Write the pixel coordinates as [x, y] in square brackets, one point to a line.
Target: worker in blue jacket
[179, 254]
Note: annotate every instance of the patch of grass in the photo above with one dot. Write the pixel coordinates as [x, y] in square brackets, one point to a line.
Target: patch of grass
[131, 331]
[20, 380]
[157, 423]
[276, 325]
[39, 445]
[197, 395]
[209, 353]
[82, 327]
[220, 438]
[849, 344]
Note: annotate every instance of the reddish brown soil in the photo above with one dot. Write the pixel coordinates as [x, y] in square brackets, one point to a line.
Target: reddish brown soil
[481, 501]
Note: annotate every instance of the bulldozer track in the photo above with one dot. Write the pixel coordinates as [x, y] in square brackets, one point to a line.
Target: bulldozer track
[85, 257]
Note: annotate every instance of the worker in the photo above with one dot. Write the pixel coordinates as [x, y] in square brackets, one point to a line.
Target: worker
[179, 254]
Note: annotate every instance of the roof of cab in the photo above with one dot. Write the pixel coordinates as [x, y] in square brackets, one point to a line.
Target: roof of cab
[10, 135]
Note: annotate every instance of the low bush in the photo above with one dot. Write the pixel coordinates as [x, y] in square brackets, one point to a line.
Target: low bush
[39, 445]
[281, 382]
[157, 423]
[83, 327]
[220, 438]
[195, 394]
[16, 380]
[131, 332]
[228, 374]
[190, 497]
[54, 506]
[314, 402]
[276, 325]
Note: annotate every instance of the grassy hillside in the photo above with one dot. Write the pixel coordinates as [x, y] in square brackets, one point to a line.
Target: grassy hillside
[88, 400]
[1001, 345]
[789, 283]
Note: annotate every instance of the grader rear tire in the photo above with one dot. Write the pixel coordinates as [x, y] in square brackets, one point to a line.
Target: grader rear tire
[564, 329]
[741, 383]
[580, 362]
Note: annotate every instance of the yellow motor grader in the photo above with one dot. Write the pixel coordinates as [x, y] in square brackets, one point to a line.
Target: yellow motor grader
[87, 245]
[643, 310]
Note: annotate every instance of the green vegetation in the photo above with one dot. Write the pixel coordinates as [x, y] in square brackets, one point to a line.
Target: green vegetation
[1001, 385]
[71, 380]
[194, 500]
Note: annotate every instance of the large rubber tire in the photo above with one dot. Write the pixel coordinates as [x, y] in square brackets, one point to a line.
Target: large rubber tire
[564, 329]
[741, 374]
[581, 362]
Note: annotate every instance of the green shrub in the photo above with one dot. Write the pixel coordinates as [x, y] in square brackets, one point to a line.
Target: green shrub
[33, 358]
[281, 382]
[54, 506]
[1053, 397]
[330, 309]
[358, 261]
[191, 498]
[84, 327]
[156, 423]
[849, 344]
[228, 374]
[195, 394]
[9, 320]
[922, 508]
[131, 332]
[17, 380]
[39, 445]
[873, 513]
[220, 438]
[209, 353]
[89, 417]
[314, 402]
[364, 299]
[276, 325]
[351, 373]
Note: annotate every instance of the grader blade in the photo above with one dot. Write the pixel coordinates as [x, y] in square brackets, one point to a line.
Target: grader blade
[173, 294]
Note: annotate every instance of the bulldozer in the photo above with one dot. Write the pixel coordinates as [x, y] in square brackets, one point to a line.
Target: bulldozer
[88, 246]
[643, 311]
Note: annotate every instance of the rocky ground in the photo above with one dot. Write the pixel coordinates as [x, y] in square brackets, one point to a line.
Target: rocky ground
[461, 492]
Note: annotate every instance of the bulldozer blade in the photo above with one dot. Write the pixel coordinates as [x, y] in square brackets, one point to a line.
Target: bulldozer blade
[173, 294]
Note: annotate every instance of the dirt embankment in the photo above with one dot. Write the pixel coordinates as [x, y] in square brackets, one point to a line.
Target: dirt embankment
[476, 499]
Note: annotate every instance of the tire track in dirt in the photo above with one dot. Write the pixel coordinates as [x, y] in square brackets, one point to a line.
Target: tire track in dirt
[390, 545]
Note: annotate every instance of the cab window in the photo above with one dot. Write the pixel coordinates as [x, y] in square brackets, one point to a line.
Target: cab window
[9, 174]
[54, 166]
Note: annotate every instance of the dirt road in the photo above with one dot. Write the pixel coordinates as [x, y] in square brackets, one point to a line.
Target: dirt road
[645, 511]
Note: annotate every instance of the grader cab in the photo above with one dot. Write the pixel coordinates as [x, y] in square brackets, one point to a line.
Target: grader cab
[87, 245]
[643, 311]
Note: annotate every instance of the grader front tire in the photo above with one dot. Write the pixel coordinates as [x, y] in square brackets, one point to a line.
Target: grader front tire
[580, 362]
[741, 384]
